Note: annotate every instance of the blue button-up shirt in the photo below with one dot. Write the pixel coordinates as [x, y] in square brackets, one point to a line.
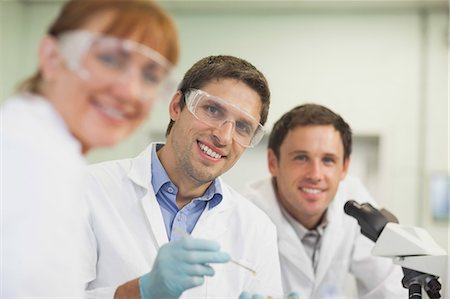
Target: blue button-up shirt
[176, 220]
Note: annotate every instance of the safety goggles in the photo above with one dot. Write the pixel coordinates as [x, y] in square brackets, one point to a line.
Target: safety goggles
[216, 112]
[104, 59]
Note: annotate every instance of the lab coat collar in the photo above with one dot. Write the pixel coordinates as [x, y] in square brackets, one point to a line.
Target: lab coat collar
[290, 246]
[333, 232]
[212, 222]
[141, 175]
[288, 242]
[140, 171]
[44, 110]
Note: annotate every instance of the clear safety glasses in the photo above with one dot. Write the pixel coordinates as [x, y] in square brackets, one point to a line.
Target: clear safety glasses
[216, 112]
[105, 59]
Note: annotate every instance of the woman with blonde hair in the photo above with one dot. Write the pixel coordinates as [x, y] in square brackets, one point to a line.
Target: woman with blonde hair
[101, 67]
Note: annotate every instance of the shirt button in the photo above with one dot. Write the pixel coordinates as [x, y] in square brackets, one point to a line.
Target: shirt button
[170, 190]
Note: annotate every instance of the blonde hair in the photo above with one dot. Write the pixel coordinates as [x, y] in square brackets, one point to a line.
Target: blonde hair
[155, 27]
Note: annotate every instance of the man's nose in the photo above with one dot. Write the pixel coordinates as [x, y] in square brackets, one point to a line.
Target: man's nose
[315, 171]
[224, 132]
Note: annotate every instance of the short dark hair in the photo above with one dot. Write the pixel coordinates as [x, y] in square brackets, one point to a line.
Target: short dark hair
[310, 115]
[213, 68]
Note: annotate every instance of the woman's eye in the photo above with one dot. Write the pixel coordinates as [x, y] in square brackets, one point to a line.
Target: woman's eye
[110, 60]
[153, 74]
[151, 77]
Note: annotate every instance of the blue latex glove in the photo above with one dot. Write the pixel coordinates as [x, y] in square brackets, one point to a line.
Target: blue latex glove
[180, 265]
[245, 295]
[293, 295]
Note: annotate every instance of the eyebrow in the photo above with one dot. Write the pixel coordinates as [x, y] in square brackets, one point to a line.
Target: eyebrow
[331, 155]
[297, 152]
[216, 103]
[99, 49]
[228, 102]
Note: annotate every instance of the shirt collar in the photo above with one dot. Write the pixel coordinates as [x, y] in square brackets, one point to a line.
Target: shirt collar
[213, 194]
[300, 230]
[159, 174]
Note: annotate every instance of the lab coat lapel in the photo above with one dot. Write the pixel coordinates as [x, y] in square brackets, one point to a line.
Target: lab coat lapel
[292, 249]
[141, 174]
[214, 222]
[333, 232]
[289, 245]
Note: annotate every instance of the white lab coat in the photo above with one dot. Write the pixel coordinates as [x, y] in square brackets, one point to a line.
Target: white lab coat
[129, 228]
[344, 250]
[43, 214]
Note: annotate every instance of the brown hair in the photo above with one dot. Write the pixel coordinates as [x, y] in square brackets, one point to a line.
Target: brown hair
[219, 67]
[157, 30]
[310, 115]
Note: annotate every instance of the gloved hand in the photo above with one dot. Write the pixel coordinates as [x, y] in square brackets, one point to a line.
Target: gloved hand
[245, 295]
[293, 295]
[180, 265]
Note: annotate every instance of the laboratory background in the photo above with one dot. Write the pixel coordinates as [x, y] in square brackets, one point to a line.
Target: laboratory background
[382, 65]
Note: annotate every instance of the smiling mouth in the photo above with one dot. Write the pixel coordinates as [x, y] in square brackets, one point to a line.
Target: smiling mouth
[111, 111]
[209, 151]
[311, 191]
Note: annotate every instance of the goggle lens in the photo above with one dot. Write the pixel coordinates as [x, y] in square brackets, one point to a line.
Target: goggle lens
[215, 112]
[109, 60]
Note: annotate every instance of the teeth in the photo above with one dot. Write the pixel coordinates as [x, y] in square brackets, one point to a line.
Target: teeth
[209, 151]
[112, 112]
[312, 191]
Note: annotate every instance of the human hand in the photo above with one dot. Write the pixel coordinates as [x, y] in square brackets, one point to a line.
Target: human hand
[293, 295]
[180, 265]
[245, 295]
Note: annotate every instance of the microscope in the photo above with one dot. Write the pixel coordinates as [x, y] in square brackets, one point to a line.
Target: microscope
[422, 260]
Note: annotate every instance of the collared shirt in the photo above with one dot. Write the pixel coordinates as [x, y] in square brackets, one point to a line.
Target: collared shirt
[311, 239]
[179, 221]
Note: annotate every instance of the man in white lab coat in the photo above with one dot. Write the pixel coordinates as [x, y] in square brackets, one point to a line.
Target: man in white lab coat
[308, 157]
[142, 209]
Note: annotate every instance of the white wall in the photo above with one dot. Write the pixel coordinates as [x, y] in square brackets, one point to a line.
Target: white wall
[384, 70]
[10, 29]
[21, 27]
[435, 115]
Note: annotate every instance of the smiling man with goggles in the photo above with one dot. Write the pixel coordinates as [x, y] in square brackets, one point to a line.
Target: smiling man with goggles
[105, 59]
[216, 112]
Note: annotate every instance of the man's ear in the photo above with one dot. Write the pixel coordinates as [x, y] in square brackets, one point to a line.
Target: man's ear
[272, 162]
[174, 106]
[345, 168]
[49, 60]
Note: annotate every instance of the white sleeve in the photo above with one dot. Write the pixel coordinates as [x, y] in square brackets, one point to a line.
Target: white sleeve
[43, 223]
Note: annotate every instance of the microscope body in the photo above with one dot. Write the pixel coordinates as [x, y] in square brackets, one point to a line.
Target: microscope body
[422, 259]
[413, 248]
